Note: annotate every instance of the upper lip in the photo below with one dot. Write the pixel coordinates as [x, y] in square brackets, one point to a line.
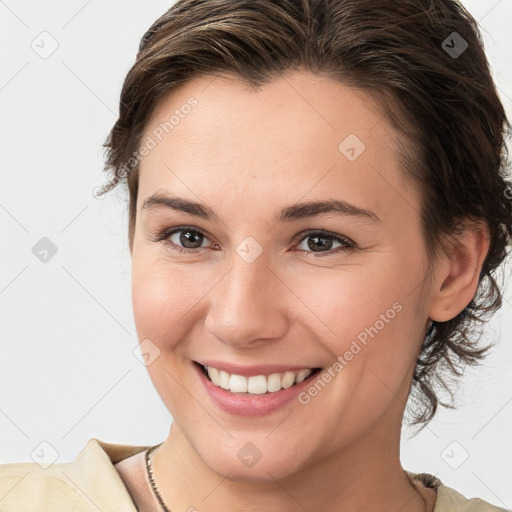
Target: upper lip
[250, 371]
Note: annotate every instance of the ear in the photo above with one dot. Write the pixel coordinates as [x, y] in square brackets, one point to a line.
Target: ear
[458, 270]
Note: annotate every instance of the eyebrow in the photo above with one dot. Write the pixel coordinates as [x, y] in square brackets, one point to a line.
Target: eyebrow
[287, 214]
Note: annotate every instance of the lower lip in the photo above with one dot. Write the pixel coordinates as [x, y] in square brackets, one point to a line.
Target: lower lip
[251, 405]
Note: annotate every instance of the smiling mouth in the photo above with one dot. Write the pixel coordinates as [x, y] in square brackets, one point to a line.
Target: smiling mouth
[257, 384]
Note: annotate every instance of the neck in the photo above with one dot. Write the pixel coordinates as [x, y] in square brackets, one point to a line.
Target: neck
[365, 475]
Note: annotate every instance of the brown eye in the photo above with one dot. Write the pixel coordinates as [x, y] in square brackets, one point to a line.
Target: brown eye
[189, 239]
[182, 239]
[322, 242]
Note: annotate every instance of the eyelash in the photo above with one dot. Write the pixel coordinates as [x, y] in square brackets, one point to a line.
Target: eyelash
[164, 234]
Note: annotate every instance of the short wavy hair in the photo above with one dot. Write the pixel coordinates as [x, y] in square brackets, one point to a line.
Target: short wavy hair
[424, 63]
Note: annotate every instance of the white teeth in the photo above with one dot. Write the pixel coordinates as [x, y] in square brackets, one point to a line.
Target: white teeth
[274, 382]
[288, 380]
[224, 379]
[214, 375]
[238, 384]
[303, 374]
[257, 384]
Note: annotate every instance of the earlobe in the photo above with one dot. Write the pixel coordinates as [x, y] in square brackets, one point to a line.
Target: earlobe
[458, 271]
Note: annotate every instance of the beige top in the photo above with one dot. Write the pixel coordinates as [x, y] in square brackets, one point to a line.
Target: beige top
[92, 483]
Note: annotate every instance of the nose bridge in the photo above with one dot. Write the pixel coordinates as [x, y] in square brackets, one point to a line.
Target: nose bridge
[245, 305]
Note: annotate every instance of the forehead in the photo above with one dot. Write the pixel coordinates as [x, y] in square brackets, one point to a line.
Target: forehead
[300, 133]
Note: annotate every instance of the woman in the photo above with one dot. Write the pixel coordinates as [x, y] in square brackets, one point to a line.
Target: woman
[318, 202]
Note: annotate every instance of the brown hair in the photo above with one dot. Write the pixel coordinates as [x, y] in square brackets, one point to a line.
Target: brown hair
[423, 60]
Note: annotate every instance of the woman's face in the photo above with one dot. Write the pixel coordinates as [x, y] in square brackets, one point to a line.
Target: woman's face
[259, 286]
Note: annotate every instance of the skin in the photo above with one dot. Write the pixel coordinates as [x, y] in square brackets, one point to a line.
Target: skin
[246, 154]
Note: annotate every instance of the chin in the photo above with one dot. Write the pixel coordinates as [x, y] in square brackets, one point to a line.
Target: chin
[265, 469]
[261, 472]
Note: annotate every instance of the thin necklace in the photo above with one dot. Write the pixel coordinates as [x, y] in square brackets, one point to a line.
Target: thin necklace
[149, 451]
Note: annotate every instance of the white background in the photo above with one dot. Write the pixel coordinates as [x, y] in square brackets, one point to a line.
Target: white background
[67, 368]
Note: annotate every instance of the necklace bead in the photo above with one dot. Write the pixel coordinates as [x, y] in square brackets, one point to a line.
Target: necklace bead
[148, 454]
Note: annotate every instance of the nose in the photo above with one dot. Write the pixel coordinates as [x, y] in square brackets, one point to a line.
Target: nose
[248, 305]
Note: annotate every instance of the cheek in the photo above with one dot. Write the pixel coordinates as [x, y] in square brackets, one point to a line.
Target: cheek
[368, 318]
[344, 302]
[165, 299]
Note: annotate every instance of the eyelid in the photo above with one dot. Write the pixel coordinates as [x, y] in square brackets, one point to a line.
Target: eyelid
[163, 235]
[323, 232]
